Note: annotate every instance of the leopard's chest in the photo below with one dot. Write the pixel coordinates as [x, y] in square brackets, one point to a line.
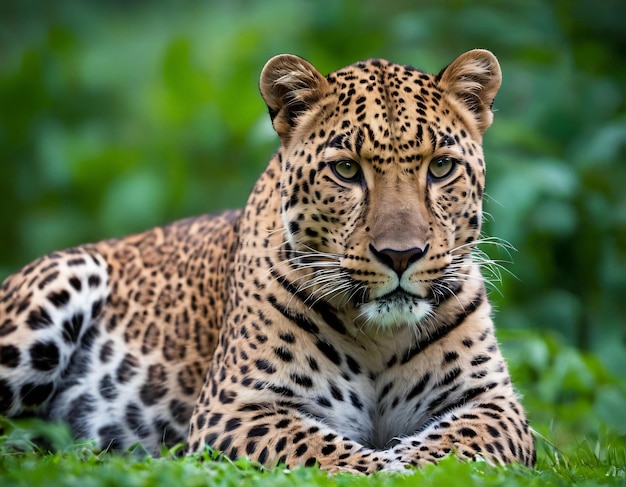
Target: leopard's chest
[375, 405]
[363, 411]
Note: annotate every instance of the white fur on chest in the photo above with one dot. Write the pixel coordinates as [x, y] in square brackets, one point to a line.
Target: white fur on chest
[364, 419]
[362, 412]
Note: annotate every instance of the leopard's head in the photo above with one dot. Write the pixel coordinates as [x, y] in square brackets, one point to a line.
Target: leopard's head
[382, 177]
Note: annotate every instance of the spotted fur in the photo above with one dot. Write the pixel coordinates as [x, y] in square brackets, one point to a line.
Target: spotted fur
[339, 319]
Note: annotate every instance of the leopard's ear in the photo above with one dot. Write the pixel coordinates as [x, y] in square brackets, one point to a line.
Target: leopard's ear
[474, 78]
[290, 85]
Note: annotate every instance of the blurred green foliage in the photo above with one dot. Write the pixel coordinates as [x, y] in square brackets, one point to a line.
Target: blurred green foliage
[118, 116]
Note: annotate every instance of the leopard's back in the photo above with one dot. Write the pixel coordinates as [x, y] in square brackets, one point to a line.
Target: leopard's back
[116, 337]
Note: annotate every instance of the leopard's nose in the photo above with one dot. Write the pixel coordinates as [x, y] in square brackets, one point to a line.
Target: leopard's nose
[399, 260]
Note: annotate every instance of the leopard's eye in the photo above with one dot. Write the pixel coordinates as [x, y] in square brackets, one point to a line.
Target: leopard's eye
[441, 167]
[347, 170]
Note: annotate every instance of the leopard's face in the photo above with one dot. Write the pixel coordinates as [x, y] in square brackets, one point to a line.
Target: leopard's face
[381, 193]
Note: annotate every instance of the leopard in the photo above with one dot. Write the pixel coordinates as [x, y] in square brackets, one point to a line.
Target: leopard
[339, 320]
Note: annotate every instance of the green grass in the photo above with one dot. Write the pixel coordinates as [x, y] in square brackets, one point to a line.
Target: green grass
[24, 462]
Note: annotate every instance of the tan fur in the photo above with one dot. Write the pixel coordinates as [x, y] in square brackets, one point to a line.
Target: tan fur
[338, 320]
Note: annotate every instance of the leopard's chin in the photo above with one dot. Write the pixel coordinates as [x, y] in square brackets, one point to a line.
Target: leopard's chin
[394, 310]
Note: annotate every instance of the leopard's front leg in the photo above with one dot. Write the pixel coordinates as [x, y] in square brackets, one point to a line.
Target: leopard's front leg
[281, 435]
[282, 431]
[493, 429]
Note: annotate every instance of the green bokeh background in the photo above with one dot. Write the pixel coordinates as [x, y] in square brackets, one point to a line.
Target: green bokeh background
[118, 116]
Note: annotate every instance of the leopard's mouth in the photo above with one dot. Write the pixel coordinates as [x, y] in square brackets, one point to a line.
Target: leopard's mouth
[400, 293]
[396, 308]
[399, 299]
